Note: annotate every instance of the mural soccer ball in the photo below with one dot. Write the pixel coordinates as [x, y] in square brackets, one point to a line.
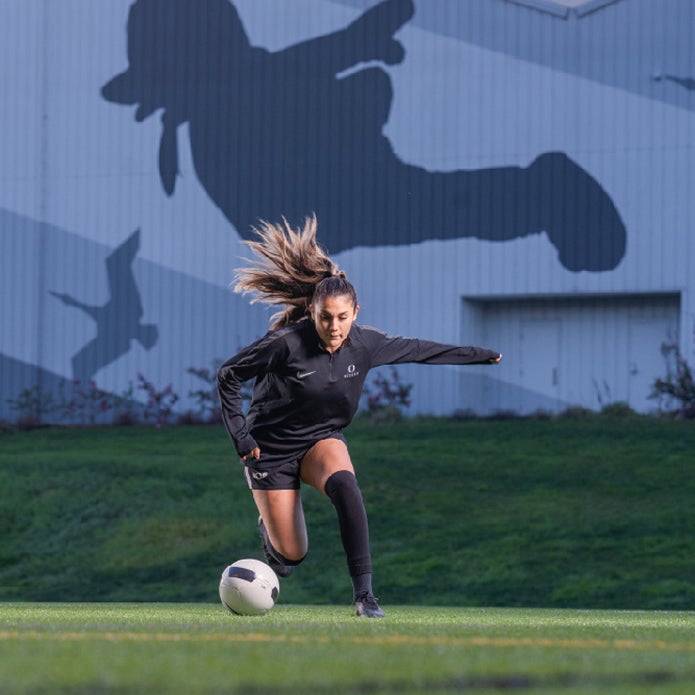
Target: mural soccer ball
[249, 587]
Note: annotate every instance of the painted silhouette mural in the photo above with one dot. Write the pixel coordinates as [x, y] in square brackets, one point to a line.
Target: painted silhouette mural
[284, 133]
[685, 82]
[119, 320]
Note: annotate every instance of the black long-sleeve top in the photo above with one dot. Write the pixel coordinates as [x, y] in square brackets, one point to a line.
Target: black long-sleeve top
[303, 393]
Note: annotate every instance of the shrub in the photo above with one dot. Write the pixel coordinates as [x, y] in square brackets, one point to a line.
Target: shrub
[576, 412]
[503, 414]
[386, 398]
[86, 402]
[618, 410]
[125, 407]
[463, 415]
[32, 405]
[207, 400]
[677, 389]
[159, 404]
[6, 427]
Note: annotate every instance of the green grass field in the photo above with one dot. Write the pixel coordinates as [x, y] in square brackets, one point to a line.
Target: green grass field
[540, 556]
[556, 514]
[201, 648]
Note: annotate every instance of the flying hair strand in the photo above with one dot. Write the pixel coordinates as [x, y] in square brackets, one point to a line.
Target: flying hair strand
[288, 266]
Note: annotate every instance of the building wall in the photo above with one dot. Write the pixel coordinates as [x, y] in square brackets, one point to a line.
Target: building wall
[498, 172]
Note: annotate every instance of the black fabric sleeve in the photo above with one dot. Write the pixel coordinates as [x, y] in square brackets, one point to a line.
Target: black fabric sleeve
[253, 361]
[387, 349]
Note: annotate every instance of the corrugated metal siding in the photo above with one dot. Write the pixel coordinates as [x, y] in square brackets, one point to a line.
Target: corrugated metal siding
[574, 350]
[484, 86]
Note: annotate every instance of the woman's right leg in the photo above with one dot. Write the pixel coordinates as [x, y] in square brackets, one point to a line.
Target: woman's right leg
[283, 518]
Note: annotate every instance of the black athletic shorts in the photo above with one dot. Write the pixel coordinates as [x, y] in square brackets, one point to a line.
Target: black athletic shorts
[283, 475]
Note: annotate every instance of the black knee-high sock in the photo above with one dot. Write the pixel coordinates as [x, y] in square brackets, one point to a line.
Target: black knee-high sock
[343, 490]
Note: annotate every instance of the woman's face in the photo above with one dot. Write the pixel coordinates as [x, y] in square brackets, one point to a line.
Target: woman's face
[333, 318]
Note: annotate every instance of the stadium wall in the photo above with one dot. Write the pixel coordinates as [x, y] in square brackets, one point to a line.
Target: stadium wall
[511, 173]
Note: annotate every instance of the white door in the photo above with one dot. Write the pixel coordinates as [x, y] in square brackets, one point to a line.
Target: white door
[541, 345]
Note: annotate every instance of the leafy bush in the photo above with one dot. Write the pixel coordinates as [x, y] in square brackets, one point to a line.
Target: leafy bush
[386, 398]
[32, 406]
[85, 402]
[677, 389]
[159, 404]
[576, 412]
[206, 398]
[124, 407]
[619, 410]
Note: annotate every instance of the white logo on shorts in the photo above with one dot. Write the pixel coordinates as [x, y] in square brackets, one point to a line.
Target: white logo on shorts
[259, 475]
[302, 375]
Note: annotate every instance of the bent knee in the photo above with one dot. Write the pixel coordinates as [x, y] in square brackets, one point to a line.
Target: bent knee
[295, 561]
[293, 558]
[292, 553]
[343, 485]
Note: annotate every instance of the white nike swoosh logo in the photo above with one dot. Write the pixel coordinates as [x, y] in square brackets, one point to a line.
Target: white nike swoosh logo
[301, 375]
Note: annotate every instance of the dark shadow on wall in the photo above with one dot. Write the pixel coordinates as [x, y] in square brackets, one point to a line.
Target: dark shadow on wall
[118, 322]
[45, 334]
[285, 134]
[685, 82]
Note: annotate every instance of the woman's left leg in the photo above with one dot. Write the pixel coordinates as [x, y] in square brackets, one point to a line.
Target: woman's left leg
[328, 468]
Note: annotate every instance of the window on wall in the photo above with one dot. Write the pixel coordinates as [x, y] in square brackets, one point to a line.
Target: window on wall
[562, 8]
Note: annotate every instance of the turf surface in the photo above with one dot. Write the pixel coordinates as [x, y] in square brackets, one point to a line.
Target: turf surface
[464, 515]
[201, 648]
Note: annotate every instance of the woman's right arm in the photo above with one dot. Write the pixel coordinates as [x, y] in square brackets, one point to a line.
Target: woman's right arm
[252, 361]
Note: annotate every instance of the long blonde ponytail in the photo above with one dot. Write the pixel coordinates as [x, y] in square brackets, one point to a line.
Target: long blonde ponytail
[288, 266]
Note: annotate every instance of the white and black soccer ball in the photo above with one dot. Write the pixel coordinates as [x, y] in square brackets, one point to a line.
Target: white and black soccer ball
[249, 587]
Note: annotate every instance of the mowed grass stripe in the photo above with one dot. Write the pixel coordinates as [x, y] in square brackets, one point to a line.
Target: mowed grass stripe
[503, 642]
[598, 513]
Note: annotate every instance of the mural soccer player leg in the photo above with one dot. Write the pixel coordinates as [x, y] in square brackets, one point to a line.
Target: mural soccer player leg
[212, 82]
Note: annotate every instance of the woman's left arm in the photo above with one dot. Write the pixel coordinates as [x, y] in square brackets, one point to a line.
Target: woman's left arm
[388, 349]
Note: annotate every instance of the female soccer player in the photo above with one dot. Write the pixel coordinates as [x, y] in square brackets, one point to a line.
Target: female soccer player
[309, 370]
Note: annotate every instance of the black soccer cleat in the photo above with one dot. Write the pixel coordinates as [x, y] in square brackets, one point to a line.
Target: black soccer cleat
[281, 569]
[366, 606]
